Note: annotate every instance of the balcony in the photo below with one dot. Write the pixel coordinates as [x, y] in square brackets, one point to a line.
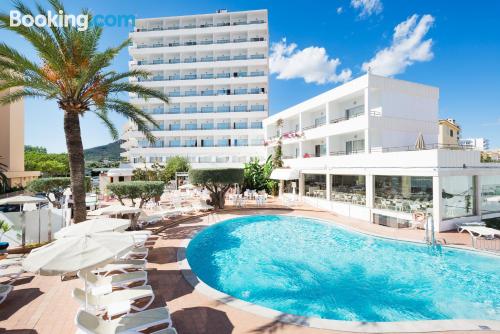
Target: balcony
[223, 109]
[241, 142]
[207, 126]
[223, 126]
[194, 26]
[350, 114]
[207, 109]
[174, 110]
[190, 127]
[175, 44]
[211, 92]
[317, 123]
[240, 126]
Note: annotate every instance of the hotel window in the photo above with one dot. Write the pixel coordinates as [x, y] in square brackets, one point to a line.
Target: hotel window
[403, 193]
[315, 185]
[490, 192]
[459, 196]
[349, 188]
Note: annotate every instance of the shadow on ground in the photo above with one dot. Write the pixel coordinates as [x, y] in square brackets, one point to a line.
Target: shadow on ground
[17, 299]
[202, 320]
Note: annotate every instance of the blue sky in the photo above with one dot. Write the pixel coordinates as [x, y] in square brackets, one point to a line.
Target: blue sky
[454, 45]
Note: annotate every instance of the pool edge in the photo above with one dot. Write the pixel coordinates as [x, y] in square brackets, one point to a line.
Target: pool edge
[420, 326]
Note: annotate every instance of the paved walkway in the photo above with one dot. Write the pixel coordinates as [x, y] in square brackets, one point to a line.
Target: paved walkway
[44, 305]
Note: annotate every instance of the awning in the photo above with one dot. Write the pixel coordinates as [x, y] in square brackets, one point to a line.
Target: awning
[120, 172]
[285, 174]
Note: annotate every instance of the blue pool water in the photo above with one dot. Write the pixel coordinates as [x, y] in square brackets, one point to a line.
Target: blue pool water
[307, 267]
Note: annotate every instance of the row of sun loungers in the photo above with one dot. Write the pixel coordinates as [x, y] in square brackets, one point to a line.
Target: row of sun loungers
[119, 296]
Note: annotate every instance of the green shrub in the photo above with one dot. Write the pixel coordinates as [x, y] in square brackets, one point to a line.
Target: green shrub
[55, 185]
[217, 181]
[143, 190]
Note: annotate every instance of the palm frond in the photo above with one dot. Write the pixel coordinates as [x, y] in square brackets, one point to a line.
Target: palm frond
[18, 95]
[102, 114]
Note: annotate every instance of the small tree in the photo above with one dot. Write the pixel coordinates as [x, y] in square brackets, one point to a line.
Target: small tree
[175, 165]
[55, 185]
[217, 181]
[143, 190]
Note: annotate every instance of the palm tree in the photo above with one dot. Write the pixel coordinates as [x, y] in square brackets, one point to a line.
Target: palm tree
[73, 72]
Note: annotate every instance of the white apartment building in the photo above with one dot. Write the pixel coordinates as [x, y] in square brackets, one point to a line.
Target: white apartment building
[481, 144]
[214, 68]
[369, 150]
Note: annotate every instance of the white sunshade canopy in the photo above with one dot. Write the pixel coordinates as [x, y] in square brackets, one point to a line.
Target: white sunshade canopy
[493, 199]
[120, 172]
[187, 186]
[77, 253]
[285, 174]
[22, 199]
[98, 225]
[114, 210]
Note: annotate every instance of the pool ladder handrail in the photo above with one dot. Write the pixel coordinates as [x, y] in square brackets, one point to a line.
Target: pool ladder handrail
[430, 234]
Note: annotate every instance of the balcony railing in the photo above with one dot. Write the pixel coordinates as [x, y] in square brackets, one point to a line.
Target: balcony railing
[220, 126]
[205, 25]
[334, 153]
[218, 92]
[426, 147]
[235, 143]
[346, 118]
[202, 76]
[194, 110]
[190, 43]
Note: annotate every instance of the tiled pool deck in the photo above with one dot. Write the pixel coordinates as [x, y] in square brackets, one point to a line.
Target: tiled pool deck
[44, 304]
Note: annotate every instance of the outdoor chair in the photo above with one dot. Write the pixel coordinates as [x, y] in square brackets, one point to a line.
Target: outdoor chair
[132, 323]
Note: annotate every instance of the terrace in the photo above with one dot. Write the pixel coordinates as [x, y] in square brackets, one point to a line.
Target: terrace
[42, 304]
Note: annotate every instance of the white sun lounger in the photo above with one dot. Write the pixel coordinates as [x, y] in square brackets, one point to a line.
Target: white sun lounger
[137, 253]
[145, 219]
[5, 289]
[202, 206]
[119, 280]
[11, 272]
[460, 226]
[122, 266]
[18, 261]
[101, 304]
[132, 323]
[481, 232]
[140, 239]
[170, 330]
[166, 212]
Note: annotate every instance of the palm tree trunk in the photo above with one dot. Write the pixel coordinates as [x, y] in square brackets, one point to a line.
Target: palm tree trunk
[76, 164]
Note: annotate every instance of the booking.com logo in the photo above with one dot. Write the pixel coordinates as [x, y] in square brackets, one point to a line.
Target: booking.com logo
[80, 22]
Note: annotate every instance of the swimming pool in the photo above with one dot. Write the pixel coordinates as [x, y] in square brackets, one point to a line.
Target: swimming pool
[307, 267]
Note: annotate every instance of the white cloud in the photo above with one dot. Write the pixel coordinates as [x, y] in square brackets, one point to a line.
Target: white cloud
[311, 64]
[408, 46]
[367, 7]
[340, 10]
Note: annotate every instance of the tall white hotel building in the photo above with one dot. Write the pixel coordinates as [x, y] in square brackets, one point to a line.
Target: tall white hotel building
[214, 68]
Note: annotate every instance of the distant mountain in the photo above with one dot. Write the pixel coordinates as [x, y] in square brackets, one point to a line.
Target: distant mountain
[109, 152]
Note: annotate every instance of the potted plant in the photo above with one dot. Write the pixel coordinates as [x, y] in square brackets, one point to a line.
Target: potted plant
[4, 228]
